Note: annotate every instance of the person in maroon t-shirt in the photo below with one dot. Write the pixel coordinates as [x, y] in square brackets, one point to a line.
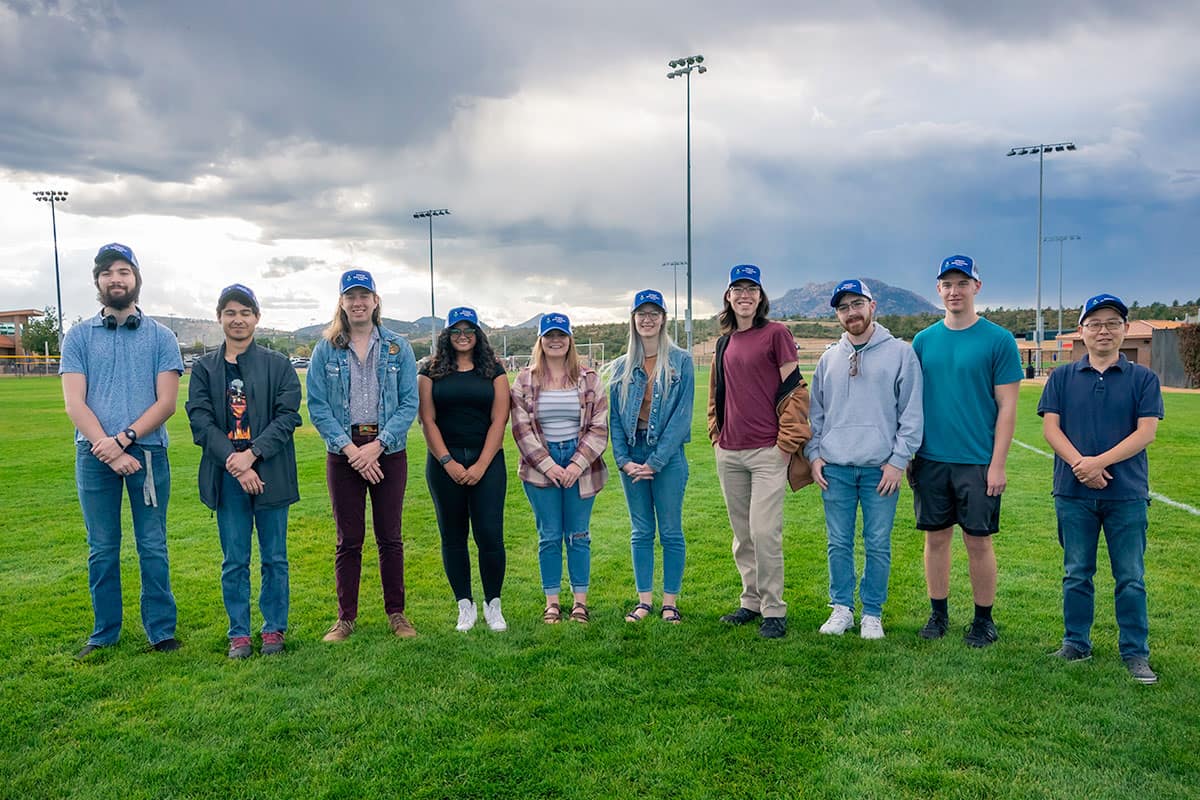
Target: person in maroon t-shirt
[757, 420]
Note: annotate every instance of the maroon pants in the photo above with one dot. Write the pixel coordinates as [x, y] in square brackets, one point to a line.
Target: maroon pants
[348, 492]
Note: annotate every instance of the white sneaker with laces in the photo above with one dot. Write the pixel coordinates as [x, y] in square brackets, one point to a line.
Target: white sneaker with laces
[467, 614]
[492, 615]
[871, 627]
[840, 621]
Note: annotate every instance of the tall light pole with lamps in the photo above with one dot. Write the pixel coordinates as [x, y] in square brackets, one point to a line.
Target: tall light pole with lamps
[1070, 237]
[674, 267]
[53, 196]
[1040, 150]
[684, 67]
[429, 214]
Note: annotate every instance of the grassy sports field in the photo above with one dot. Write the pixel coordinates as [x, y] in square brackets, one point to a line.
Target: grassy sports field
[610, 710]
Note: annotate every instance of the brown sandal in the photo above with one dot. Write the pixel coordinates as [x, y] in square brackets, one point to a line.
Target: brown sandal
[552, 615]
[579, 613]
[671, 614]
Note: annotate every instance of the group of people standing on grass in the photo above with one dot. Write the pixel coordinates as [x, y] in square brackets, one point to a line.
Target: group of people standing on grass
[942, 411]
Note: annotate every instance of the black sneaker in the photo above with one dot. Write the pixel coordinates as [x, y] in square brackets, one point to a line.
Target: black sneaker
[166, 645]
[936, 627]
[1069, 652]
[980, 633]
[740, 617]
[773, 627]
[87, 650]
[1139, 670]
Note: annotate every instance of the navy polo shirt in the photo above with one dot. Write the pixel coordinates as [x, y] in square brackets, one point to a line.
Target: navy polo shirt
[1096, 411]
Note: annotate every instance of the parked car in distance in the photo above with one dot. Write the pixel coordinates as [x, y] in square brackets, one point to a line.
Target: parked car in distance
[299, 362]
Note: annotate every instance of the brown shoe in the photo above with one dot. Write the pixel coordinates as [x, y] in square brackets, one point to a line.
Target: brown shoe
[401, 626]
[340, 631]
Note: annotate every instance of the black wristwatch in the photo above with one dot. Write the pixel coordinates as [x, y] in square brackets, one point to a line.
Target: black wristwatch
[446, 459]
[131, 435]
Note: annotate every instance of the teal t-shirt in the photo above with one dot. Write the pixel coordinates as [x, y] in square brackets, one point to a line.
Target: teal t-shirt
[961, 370]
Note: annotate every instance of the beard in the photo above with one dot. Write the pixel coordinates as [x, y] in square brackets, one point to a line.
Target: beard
[858, 325]
[121, 301]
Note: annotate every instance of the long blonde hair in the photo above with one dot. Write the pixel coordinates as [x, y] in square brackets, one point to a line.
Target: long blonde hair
[635, 354]
[338, 332]
[540, 372]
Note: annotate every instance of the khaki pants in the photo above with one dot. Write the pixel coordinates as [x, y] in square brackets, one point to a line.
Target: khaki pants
[754, 483]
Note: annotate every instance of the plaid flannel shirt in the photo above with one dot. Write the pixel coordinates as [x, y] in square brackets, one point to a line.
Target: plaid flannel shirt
[593, 432]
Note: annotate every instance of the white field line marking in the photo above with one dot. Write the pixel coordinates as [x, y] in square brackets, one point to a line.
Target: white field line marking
[1162, 498]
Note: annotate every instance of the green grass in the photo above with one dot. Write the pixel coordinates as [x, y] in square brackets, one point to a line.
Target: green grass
[612, 710]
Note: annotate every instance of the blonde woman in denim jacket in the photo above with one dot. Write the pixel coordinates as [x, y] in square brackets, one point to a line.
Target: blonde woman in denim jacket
[651, 393]
[560, 424]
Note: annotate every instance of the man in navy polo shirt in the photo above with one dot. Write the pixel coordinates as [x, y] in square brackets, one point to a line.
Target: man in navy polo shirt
[120, 378]
[1099, 414]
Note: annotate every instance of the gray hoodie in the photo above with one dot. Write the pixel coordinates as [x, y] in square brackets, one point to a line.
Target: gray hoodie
[872, 417]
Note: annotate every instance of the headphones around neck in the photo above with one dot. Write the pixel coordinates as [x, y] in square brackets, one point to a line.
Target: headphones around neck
[132, 322]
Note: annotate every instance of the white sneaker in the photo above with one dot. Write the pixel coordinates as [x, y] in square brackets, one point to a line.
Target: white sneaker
[871, 627]
[841, 620]
[492, 615]
[467, 614]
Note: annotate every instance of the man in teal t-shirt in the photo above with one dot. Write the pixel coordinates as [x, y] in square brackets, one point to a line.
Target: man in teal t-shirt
[972, 376]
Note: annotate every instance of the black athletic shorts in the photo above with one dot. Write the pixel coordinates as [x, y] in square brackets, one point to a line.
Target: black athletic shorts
[948, 494]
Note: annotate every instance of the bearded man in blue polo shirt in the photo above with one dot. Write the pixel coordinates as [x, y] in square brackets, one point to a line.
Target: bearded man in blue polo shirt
[120, 377]
[1099, 414]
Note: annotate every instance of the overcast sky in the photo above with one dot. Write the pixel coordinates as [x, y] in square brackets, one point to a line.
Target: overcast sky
[279, 143]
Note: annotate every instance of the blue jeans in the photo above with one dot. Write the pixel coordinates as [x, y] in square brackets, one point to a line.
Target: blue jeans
[850, 487]
[100, 499]
[562, 515]
[237, 516]
[660, 498]
[1124, 523]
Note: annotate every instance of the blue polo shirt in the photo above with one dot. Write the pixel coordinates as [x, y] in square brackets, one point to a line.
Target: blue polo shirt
[1096, 411]
[121, 367]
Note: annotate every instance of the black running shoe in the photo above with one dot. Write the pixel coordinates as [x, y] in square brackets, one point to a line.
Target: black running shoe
[980, 633]
[740, 617]
[773, 628]
[936, 627]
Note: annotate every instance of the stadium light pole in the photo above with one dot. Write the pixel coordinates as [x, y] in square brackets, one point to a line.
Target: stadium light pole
[674, 267]
[1040, 150]
[53, 196]
[1070, 237]
[684, 67]
[429, 214]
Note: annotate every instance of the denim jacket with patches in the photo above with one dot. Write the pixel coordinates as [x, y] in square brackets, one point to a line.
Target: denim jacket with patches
[328, 384]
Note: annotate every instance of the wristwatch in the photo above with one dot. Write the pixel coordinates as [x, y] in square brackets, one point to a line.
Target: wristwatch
[446, 459]
[131, 435]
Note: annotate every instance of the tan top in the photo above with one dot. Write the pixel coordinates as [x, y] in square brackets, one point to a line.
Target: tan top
[648, 365]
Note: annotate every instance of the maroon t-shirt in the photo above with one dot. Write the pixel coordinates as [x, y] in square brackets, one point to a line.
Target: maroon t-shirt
[752, 362]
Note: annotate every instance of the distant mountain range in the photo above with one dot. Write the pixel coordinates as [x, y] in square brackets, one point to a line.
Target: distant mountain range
[812, 300]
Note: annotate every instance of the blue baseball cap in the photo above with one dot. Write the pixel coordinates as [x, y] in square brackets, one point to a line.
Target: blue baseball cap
[1104, 301]
[239, 292]
[745, 272]
[963, 264]
[648, 296]
[462, 314]
[554, 321]
[357, 277]
[113, 251]
[851, 286]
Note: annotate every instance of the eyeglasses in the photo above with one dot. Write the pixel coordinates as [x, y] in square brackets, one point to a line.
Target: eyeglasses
[1095, 325]
[462, 333]
[854, 364]
[648, 315]
[856, 305]
[747, 290]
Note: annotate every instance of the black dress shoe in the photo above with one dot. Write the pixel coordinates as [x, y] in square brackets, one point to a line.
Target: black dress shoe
[87, 650]
[167, 645]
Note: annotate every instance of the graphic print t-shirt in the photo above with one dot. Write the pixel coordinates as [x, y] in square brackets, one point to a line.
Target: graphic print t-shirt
[235, 398]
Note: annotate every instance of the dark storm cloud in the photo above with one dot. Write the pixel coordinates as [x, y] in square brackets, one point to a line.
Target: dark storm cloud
[282, 266]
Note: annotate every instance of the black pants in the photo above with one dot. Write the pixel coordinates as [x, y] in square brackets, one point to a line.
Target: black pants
[479, 508]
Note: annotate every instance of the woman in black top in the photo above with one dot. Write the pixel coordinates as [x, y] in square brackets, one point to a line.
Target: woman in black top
[464, 410]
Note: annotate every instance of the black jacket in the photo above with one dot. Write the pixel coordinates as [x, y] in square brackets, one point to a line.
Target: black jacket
[273, 405]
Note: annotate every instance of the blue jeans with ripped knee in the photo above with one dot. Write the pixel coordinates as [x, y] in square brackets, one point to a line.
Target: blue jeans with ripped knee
[562, 516]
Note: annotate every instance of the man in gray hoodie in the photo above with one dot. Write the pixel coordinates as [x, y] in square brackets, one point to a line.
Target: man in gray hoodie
[867, 422]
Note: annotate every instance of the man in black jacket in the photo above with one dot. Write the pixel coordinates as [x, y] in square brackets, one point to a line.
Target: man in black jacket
[243, 406]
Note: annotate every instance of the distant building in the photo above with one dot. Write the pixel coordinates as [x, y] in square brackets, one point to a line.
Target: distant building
[11, 325]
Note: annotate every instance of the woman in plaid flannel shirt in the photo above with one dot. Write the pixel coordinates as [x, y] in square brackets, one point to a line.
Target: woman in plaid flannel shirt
[560, 424]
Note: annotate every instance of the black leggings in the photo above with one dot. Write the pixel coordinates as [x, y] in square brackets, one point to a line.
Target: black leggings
[479, 508]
